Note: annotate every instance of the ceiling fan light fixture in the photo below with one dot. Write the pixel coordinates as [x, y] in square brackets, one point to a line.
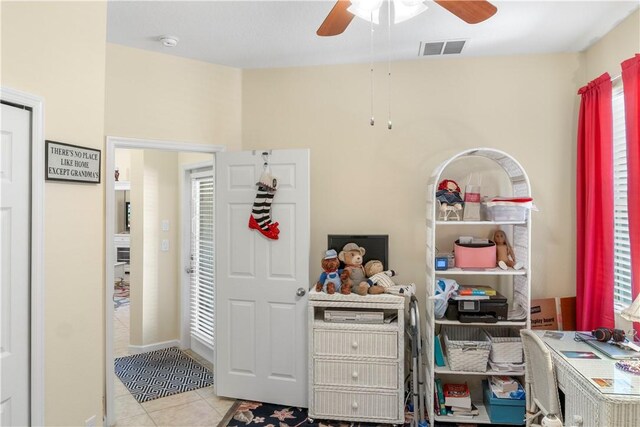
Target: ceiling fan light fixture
[407, 9]
[369, 10]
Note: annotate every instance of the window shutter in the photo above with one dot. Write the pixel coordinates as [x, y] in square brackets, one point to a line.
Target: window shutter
[202, 252]
[622, 250]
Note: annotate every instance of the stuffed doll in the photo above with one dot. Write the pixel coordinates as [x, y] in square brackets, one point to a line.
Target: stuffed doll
[504, 253]
[448, 194]
[329, 280]
[378, 280]
[353, 276]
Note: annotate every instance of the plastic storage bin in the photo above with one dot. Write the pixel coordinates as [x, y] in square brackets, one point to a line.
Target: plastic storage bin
[511, 212]
[503, 411]
[506, 345]
[475, 256]
[467, 349]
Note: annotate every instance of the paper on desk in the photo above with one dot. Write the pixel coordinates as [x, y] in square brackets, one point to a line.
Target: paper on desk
[614, 385]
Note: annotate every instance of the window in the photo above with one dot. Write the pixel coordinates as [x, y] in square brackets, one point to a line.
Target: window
[621, 249]
[202, 253]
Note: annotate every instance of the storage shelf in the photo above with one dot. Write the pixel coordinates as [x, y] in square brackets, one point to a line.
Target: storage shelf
[446, 369]
[499, 323]
[481, 222]
[484, 272]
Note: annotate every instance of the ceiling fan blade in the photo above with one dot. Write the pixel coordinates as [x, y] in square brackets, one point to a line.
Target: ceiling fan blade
[470, 11]
[337, 20]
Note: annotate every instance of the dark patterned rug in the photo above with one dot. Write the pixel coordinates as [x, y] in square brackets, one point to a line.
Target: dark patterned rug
[256, 414]
[161, 373]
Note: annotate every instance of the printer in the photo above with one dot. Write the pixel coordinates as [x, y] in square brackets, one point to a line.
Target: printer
[477, 307]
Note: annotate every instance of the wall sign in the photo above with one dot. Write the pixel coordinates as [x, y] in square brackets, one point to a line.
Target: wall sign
[66, 162]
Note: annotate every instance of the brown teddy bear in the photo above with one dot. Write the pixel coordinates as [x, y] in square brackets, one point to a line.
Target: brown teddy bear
[378, 280]
[329, 280]
[353, 276]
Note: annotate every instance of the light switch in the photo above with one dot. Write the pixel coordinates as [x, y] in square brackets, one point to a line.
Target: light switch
[165, 225]
[165, 245]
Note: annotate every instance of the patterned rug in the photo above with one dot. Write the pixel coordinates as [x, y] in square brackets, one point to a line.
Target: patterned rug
[256, 414]
[161, 373]
[120, 294]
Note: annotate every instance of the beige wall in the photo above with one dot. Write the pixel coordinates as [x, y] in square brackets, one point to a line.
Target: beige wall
[373, 180]
[606, 55]
[57, 51]
[154, 277]
[156, 96]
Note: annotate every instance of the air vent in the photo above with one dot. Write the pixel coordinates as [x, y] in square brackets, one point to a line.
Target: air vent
[451, 47]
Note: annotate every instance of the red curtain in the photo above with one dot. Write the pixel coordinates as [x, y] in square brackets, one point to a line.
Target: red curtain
[630, 78]
[594, 201]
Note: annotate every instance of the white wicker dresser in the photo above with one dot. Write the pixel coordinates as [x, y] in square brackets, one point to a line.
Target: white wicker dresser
[587, 404]
[356, 371]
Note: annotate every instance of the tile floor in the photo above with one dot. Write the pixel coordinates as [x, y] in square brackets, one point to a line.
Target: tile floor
[194, 408]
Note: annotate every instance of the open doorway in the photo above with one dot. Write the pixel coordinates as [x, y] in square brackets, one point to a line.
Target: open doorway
[150, 313]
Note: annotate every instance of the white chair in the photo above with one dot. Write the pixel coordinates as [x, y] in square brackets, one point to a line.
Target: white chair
[541, 385]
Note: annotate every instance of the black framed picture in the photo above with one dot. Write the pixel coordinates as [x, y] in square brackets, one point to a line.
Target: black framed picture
[71, 163]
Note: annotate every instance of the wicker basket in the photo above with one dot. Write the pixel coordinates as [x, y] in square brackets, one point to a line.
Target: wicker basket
[506, 345]
[467, 349]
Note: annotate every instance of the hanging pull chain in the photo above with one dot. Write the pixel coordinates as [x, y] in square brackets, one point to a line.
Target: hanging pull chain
[371, 120]
[389, 124]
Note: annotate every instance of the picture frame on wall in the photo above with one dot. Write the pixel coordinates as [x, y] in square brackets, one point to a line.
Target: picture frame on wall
[72, 163]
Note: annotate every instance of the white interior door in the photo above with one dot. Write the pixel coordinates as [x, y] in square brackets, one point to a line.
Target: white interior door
[261, 342]
[14, 253]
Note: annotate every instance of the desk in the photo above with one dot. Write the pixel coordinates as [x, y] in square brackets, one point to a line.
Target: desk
[586, 402]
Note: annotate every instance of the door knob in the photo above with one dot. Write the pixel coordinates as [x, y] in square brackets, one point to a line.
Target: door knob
[300, 292]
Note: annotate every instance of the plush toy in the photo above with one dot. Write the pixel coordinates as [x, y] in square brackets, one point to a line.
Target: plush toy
[504, 253]
[353, 276]
[378, 279]
[448, 195]
[329, 280]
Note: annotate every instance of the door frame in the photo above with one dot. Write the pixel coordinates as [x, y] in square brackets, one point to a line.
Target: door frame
[113, 142]
[185, 253]
[36, 350]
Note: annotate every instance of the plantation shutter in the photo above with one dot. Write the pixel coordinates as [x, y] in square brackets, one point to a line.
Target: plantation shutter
[622, 249]
[202, 255]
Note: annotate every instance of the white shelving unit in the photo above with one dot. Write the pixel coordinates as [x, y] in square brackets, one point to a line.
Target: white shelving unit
[519, 281]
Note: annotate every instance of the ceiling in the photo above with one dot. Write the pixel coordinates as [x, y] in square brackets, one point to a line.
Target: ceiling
[268, 34]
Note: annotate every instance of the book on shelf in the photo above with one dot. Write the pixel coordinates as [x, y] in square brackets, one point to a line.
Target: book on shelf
[439, 356]
[503, 383]
[476, 290]
[456, 411]
[440, 396]
[457, 395]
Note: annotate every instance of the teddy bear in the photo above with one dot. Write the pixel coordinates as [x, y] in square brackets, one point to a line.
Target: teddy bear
[329, 280]
[353, 276]
[378, 280]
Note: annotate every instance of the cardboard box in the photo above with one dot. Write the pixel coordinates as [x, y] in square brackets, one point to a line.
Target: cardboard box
[555, 314]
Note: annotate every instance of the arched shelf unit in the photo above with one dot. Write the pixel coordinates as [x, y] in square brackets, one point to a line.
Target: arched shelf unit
[518, 282]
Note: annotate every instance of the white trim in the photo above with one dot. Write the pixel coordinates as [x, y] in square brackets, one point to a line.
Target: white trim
[36, 104]
[137, 349]
[202, 349]
[112, 143]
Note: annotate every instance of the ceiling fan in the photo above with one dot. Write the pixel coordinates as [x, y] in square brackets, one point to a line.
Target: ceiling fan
[470, 11]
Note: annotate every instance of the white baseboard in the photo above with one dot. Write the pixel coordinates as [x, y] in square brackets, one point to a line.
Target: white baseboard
[202, 349]
[136, 349]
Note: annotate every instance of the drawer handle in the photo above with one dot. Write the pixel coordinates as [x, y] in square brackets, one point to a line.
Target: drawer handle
[354, 344]
[354, 375]
[354, 405]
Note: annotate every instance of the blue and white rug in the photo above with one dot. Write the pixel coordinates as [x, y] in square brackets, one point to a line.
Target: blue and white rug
[161, 373]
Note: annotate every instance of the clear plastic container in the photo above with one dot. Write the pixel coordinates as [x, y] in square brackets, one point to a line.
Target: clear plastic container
[506, 213]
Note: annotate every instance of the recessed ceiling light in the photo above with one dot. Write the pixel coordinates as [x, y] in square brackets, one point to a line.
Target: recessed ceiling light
[169, 41]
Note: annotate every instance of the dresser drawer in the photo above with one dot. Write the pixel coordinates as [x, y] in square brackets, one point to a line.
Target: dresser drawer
[355, 343]
[357, 374]
[356, 405]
